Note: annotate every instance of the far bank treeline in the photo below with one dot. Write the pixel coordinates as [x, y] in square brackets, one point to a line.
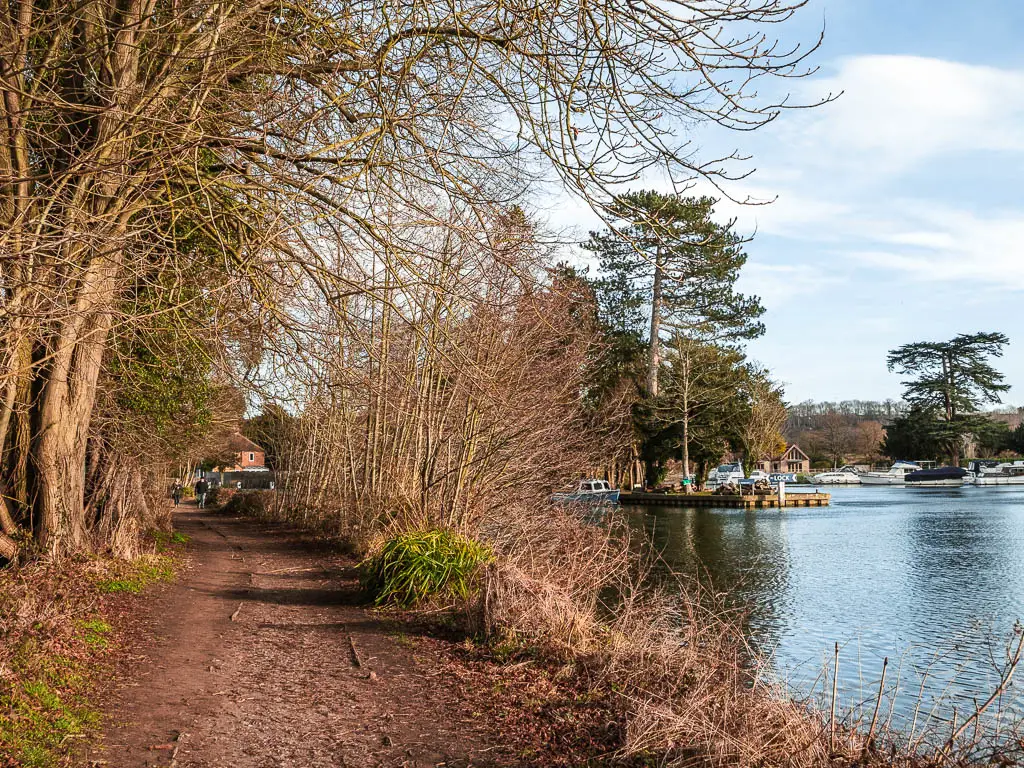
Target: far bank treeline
[949, 411]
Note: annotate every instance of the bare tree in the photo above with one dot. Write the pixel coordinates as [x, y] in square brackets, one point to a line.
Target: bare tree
[762, 431]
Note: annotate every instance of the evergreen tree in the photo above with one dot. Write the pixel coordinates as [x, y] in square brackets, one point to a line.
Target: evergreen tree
[669, 267]
[915, 435]
[1016, 439]
[701, 397]
[952, 379]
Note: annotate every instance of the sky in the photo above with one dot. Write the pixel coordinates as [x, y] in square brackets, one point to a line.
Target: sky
[898, 211]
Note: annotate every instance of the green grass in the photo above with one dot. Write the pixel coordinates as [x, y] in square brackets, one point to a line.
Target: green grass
[165, 541]
[37, 719]
[136, 576]
[44, 687]
[424, 565]
[95, 633]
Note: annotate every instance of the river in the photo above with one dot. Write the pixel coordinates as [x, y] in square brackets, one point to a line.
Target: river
[933, 579]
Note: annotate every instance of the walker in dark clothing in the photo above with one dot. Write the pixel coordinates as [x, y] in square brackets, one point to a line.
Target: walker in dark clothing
[202, 487]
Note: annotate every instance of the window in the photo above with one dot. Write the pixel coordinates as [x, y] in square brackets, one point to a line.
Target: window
[252, 457]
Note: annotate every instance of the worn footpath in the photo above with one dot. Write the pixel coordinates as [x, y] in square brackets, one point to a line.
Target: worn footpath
[261, 655]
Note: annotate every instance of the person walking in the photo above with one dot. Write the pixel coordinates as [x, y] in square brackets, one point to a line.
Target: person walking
[202, 487]
[176, 492]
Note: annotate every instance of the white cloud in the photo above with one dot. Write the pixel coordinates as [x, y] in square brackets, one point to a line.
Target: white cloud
[898, 111]
[939, 243]
[777, 284]
[839, 178]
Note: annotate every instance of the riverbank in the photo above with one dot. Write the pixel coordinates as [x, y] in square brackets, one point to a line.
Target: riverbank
[929, 578]
[264, 650]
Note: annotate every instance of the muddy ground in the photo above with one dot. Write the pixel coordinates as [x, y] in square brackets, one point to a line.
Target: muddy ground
[263, 653]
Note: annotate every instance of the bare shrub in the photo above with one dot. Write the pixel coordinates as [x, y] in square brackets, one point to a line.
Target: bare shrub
[677, 660]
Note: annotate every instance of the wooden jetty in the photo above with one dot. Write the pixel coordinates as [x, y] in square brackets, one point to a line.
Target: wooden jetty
[744, 501]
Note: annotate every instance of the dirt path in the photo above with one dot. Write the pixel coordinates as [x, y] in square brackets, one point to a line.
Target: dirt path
[260, 655]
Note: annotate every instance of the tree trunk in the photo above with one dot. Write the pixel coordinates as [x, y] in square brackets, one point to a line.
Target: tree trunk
[63, 413]
[687, 486]
[654, 354]
[687, 480]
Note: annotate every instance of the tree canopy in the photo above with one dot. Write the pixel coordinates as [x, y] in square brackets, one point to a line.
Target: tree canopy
[668, 266]
[951, 379]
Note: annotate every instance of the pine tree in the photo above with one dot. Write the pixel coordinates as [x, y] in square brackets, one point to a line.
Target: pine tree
[668, 262]
[952, 378]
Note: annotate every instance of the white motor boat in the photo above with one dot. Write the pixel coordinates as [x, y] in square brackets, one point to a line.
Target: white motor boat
[841, 476]
[995, 473]
[726, 473]
[589, 491]
[895, 475]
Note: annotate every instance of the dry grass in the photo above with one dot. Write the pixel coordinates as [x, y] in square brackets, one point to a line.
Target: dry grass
[682, 678]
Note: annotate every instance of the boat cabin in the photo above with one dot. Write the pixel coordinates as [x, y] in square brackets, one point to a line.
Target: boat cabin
[591, 486]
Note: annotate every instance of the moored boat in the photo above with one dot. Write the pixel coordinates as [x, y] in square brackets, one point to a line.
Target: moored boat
[841, 476]
[589, 491]
[895, 475]
[943, 477]
[726, 474]
[981, 472]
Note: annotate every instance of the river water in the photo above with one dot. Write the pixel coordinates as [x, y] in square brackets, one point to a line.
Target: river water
[933, 579]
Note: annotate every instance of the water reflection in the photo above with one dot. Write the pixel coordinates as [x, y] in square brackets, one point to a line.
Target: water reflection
[921, 576]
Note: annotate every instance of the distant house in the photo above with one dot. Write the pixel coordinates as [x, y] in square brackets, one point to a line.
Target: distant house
[792, 460]
[248, 455]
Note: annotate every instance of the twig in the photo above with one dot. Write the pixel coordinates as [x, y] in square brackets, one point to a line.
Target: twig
[238, 610]
[878, 703]
[1003, 684]
[177, 746]
[355, 653]
[832, 711]
[292, 570]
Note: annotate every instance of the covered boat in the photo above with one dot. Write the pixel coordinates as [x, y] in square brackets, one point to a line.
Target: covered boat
[938, 477]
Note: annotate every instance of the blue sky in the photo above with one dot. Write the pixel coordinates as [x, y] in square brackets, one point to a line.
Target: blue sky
[899, 212]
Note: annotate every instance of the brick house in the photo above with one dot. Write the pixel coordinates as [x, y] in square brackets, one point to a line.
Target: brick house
[792, 460]
[248, 455]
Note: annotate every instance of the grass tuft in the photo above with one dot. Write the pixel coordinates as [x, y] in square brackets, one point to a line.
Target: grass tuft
[163, 541]
[37, 720]
[415, 567]
[135, 576]
[95, 633]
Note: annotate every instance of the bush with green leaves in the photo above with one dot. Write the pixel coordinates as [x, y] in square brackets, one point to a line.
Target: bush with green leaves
[419, 566]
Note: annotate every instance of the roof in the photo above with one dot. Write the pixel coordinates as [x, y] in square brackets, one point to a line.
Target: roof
[239, 443]
[792, 452]
[796, 448]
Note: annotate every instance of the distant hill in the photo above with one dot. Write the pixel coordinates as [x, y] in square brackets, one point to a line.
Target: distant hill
[837, 433]
[850, 431]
